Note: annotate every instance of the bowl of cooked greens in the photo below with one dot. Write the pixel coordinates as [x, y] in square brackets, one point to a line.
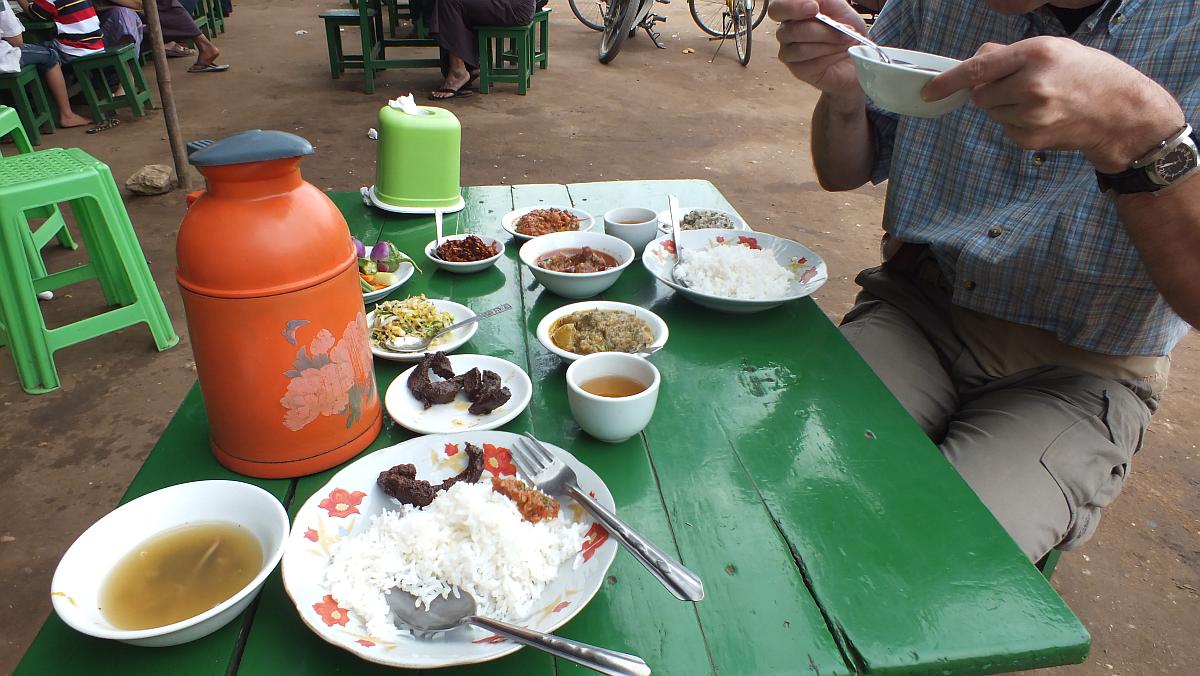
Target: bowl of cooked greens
[579, 329]
[702, 218]
[421, 317]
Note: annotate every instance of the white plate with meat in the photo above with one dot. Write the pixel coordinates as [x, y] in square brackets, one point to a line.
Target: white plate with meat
[322, 561]
[455, 415]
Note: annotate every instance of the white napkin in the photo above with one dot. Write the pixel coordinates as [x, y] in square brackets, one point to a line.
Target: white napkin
[406, 104]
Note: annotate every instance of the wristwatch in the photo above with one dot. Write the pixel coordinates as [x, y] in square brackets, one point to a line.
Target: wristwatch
[1173, 159]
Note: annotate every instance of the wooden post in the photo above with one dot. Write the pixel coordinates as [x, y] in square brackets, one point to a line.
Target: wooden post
[166, 93]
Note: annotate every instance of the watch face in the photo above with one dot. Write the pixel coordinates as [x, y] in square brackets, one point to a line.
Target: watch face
[1174, 164]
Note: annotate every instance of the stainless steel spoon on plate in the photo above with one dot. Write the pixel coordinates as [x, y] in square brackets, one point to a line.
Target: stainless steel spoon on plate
[415, 344]
[673, 210]
[851, 33]
[447, 613]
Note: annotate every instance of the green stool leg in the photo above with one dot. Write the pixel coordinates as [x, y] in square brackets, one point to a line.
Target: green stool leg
[366, 29]
[102, 251]
[22, 317]
[133, 263]
[485, 63]
[21, 99]
[89, 94]
[333, 36]
[544, 47]
[125, 76]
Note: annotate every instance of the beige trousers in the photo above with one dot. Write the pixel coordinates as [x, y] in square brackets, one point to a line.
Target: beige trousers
[1045, 449]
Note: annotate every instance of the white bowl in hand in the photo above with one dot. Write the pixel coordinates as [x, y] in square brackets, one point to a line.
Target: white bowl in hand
[83, 570]
[897, 88]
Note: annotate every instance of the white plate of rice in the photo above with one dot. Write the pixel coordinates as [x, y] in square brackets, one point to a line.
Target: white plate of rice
[737, 272]
[447, 343]
[335, 567]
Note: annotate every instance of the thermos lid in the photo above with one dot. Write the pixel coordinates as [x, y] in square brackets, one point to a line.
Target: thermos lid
[255, 145]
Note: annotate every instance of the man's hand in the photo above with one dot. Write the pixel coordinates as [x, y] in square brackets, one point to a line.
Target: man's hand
[1055, 94]
[814, 52]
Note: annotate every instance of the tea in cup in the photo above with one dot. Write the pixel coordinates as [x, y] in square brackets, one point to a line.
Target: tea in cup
[635, 225]
[612, 395]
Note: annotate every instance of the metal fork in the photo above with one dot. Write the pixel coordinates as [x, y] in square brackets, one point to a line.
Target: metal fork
[552, 476]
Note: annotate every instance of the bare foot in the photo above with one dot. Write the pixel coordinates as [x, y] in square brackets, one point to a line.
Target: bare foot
[208, 53]
[70, 119]
[119, 91]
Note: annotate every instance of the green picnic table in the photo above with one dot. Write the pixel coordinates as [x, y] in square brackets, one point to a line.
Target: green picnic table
[832, 536]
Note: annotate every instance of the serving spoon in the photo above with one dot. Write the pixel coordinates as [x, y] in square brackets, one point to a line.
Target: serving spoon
[851, 33]
[406, 344]
[445, 613]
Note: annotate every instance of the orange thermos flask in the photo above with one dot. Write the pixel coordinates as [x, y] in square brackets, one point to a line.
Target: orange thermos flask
[270, 286]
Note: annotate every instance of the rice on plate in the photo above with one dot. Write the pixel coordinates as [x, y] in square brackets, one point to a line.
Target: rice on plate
[736, 272]
[350, 542]
[467, 536]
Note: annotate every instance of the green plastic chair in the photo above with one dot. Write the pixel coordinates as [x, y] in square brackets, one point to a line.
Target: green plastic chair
[28, 96]
[46, 177]
[53, 225]
[90, 70]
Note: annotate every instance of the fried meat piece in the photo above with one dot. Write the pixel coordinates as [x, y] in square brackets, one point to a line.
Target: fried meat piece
[401, 482]
[532, 503]
[473, 471]
[428, 392]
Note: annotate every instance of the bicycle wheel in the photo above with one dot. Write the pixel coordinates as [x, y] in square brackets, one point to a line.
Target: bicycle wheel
[618, 22]
[742, 29]
[589, 12]
[708, 15]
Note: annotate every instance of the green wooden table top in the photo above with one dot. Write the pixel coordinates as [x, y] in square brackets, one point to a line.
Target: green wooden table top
[832, 536]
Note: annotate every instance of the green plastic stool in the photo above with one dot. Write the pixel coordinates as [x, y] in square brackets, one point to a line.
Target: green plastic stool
[216, 16]
[46, 177]
[202, 20]
[28, 96]
[500, 64]
[53, 225]
[90, 70]
[335, 19]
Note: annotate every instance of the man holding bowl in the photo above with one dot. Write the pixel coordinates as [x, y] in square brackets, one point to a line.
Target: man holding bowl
[1041, 243]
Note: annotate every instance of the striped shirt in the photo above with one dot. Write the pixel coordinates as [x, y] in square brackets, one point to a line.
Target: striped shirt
[1026, 236]
[77, 24]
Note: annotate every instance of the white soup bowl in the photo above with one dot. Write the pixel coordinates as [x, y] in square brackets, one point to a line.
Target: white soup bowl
[898, 88]
[576, 284]
[76, 587]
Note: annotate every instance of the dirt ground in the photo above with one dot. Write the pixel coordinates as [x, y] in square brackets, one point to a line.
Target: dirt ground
[68, 456]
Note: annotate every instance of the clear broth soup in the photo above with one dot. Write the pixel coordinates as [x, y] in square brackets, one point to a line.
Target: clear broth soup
[613, 386]
[179, 574]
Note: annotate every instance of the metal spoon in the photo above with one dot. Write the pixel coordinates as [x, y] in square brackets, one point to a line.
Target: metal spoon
[447, 613]
[851, 33]
[673, 208]
[415, 344]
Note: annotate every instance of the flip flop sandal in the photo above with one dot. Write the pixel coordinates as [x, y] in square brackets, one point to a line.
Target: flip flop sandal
[461, 92]
[104, 125]
[179, 51]
[208, 68]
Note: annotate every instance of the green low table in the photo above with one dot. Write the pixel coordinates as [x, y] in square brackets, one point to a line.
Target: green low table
[832, 536]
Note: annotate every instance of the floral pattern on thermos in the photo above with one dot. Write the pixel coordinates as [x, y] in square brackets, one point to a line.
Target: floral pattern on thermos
[329, 378]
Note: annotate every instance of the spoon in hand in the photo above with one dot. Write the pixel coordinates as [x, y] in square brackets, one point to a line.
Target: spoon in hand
[851, 33]
[445, 613]
[417, 344]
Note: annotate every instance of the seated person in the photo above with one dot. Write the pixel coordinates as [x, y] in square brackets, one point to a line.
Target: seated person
[15, 54]
[178, 26]
[452, 24]
[120, 22]
[1040, 242]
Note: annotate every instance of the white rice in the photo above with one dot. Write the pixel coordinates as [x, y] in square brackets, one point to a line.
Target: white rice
[734, 271]
[469, 537]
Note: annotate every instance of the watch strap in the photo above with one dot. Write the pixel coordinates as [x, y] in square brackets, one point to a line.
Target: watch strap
[1137, 178]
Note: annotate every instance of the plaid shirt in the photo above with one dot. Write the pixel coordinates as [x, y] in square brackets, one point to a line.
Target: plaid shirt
[1026, 236]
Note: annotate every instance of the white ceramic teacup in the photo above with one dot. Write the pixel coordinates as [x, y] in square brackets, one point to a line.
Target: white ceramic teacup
[635, 225]
[612, 419]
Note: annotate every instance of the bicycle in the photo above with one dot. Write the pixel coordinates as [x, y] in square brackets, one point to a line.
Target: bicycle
[620, 19]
